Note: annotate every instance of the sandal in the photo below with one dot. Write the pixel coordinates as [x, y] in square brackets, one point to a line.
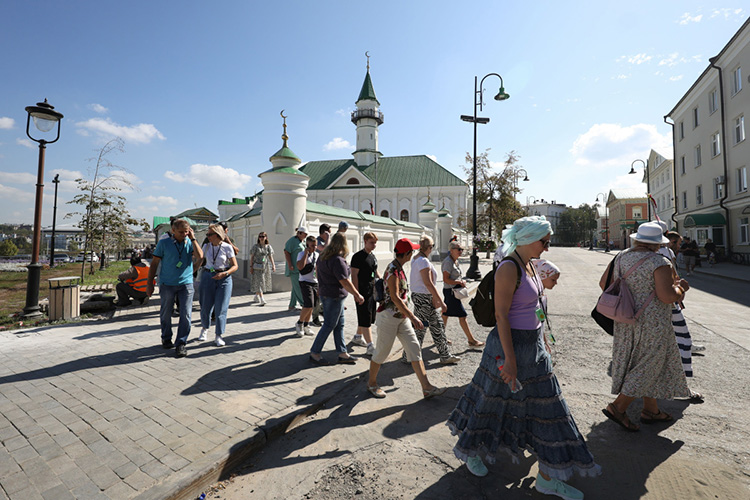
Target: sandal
[648, 417]
[376, 391]
[620, 419]
[435, 391]
[476, 343]
[696, 397]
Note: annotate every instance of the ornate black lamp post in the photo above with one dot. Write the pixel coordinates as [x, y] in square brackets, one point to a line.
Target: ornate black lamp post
[55, 181]
[606, 220]
[45, 119]
[473, 271]
[648, 184]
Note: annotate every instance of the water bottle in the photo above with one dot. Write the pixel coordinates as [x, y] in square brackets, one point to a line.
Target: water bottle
[500, 363]
[202, 496]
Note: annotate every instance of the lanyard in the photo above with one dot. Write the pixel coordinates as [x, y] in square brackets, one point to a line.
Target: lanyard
[540, 293]
[214, 254]
[179, 252]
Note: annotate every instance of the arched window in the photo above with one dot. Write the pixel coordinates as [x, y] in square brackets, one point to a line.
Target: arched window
[384, 213]
[405, 215]
[352, 180]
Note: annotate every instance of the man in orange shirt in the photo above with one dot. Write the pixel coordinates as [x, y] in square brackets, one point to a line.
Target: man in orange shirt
[133, 284]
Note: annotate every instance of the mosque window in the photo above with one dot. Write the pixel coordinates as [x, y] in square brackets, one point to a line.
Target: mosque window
[352, 180]
[384, 213]
[405, 215]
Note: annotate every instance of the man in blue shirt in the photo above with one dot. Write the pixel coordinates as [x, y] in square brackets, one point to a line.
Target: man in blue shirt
[175, 279]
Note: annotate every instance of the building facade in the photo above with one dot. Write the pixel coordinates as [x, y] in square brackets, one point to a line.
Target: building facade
[551, 210]
[627, 210]
[660, 184]
[711, 155]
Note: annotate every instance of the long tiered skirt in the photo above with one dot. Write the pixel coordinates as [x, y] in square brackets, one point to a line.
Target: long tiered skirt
[489, 417]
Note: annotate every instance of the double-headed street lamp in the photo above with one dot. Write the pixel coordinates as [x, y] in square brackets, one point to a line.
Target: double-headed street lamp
[473, 271]
[45, 118]
[648, 184]
[606, 220]
[55, 181]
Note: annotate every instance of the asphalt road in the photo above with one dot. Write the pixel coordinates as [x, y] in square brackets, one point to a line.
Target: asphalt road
[398, 447]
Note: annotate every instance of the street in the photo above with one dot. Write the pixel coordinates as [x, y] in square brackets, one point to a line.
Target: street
[399, 447]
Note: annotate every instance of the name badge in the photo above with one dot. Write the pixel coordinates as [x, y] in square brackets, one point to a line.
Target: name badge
[179, 264]
[540, 314]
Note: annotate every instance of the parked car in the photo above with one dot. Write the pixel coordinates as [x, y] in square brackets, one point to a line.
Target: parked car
[62, 259]
[81, 257]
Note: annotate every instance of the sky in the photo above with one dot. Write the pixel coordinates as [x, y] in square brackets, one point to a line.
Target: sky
[195, 89]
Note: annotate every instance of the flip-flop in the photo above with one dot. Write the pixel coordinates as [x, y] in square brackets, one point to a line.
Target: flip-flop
[476, 343]
[620, 419]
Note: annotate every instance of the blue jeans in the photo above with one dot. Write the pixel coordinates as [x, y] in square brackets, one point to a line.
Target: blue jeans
[214, 294]
[333, 321]
[184, 294]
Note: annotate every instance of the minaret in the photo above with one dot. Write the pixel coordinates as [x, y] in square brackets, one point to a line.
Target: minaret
[284, 195]
[367, 117]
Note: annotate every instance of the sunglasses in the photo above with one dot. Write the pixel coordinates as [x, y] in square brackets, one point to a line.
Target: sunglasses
[546, 243]
[208, 235]
[459, 249]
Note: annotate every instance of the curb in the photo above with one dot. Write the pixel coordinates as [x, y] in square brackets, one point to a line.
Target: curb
[219, 463]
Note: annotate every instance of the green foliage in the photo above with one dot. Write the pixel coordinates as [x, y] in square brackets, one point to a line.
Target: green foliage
[485, 245]
[8, 248]
[576, 225]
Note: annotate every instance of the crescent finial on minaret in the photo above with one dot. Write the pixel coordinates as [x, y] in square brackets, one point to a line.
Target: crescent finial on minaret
[367, 55]
[284, 137]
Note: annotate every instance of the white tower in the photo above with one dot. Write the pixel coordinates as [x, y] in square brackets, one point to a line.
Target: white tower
[284, 197]
[367, 117]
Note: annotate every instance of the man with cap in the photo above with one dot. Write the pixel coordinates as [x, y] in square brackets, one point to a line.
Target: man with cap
[293, 247]
[343, 226]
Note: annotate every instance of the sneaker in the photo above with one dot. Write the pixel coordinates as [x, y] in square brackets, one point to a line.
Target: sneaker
[697, 348]
[557, 488]
[255, 300]
[144, 302]
[358, 340]
[370, 350]
[219, 341]
[262, 301]
[317, 322]
[180, 351]
[202, 336]
[298, 329]
[450, 360]
[477, 467]
[167, 343]
[308, 331]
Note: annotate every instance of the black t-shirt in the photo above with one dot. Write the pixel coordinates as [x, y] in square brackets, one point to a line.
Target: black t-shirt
[367, 265]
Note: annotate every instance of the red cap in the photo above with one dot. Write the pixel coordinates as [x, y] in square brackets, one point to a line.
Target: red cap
[404, 245]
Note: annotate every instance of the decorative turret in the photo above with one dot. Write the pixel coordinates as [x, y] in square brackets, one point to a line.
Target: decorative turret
[367, 117]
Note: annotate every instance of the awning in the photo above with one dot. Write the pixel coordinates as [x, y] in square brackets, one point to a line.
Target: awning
[632, 224]
[694, 220]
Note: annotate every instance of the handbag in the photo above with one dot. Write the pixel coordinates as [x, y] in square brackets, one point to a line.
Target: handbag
[461, 292]
[616, 302]
[606, 324]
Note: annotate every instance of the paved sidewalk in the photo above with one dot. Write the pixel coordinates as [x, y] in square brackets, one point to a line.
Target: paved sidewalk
[98, 410]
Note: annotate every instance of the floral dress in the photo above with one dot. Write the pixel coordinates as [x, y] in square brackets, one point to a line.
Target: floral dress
[403, 290]
[260, 280]
[646, 360]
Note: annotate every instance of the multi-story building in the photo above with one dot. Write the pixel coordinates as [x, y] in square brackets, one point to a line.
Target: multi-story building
[627, 210]
[659, 184]
[711, 155]
[551, 210]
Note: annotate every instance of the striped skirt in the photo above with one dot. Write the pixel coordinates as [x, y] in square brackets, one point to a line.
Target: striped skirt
[684, 342]
[489, 417]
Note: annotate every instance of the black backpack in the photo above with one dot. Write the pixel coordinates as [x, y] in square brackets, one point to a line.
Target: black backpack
[483, 303]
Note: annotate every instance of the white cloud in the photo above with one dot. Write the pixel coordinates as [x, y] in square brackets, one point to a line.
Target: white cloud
[98, 108]
[161, 201]
[639, 58]
[687, 18]
[621, 77]
[125, 181]
[19, 178]
[676, 78]
[674, 59]
[727, 13]
[17, 195]
[337, 143]
[27, 143]
[434, 158]
[6, 123]
[343, 112]
[67, 179]
[210, 175]
[142, 133]
[610, 144]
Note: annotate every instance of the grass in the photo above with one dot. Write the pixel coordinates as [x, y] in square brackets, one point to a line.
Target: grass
[13, 286]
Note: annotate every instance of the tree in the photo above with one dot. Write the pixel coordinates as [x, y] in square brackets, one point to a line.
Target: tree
[8, 248]
[106, 219]
[576, 225]
[496, 190]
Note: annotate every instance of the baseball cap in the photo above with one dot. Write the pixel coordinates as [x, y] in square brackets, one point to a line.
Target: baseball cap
[404, 245]
[302, 229]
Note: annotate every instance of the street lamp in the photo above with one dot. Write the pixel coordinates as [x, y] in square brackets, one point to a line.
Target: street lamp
[55, 181]
[606, 220]
[473, 271]
[45, 118]
[528, 204]
[516, 175]
[648, 184]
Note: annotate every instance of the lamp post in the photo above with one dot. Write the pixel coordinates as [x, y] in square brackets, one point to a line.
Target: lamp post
[55, 181]
[648, 184]
[516, 175]
[606, 220]
[528, 204]
[45, 118]
[473, 271]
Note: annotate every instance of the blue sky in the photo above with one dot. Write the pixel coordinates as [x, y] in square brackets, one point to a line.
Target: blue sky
[195, 88]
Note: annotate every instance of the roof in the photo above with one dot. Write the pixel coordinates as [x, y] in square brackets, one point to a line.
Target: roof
[367, 92]
[285, 152]
[715, 219]
[395, 171]
[238, 201]
[201, 211]
[628, 194]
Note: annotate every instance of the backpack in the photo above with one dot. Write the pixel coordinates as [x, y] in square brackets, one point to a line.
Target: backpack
[483, 303]
[379, 290]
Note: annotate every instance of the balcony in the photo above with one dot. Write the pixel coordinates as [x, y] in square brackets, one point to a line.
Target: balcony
[367, 113]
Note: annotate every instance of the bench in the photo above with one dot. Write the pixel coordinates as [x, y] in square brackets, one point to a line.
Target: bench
[106, 287]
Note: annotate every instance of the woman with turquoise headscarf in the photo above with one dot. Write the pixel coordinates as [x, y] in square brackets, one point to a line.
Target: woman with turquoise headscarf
[514, 402]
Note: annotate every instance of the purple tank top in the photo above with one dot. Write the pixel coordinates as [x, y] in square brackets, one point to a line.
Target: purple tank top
[522, 314]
